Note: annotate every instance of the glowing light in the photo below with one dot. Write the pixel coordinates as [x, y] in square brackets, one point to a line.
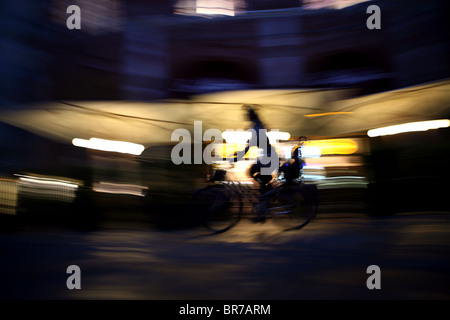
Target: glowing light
[237, 137]
[335, 4]
[343, 182]
[311, 152]
[287, 152]
[313, 177]
[109, 145]
[326, 114]
[46, 188]
[224, 7]
[226, 150]
[47, 181]
[313, 167]
[240, 136]
[278, 135]
[409, 127]
[333, 146]
[119, 188]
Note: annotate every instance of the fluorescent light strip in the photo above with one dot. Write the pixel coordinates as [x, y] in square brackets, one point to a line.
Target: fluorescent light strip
[119, 188]
[47, 181]
[409, 127]
[326, 114]
[313, 167]
[109, 145]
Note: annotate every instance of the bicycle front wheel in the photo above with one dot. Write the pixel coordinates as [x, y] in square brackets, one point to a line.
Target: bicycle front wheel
[219, 208]
[293, 207]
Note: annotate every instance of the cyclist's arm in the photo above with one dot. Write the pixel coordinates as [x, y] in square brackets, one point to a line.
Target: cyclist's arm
[239, 155]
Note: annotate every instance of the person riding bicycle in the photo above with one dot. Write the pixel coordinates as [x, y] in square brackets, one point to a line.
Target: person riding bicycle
[266, 163]
[268, 160]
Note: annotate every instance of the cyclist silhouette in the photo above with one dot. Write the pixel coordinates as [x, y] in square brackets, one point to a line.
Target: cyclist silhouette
[292, 169]
[268, 160]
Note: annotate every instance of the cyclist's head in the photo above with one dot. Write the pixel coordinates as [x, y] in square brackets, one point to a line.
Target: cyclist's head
[302, 139]
[251, 111]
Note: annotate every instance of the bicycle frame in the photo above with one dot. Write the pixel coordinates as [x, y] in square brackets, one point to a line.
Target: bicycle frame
[252, 195]
[287, 200]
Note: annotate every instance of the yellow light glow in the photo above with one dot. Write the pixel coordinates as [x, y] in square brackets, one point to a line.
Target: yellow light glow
[109, 145]
[409, 127]
[228, 149]
[333, 146]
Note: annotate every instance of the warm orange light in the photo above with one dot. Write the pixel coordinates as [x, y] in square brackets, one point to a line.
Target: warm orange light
[228, 149]
[334, 146]
[326, 114]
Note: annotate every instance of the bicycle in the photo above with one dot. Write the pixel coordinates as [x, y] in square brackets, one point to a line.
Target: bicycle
[291, 204]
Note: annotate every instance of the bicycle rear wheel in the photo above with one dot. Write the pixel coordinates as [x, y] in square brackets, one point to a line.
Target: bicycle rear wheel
[293, 207]
[219, 207]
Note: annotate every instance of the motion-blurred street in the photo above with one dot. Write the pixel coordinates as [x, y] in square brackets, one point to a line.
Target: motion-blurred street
[113, 114]
[326, 260]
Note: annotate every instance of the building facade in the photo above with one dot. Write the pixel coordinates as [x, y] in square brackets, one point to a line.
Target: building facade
[161, 49]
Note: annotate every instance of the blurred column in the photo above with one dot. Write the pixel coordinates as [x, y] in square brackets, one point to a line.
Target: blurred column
[145, 64]
[281, 63]
[418, 39]
[23, 59]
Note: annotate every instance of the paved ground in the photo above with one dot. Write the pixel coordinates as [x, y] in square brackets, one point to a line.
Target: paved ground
[326, 260]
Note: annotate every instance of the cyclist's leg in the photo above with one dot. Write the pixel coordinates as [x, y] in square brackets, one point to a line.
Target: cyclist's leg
[265, 189]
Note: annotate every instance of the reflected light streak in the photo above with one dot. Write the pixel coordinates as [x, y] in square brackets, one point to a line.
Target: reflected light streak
[314, 167]
[46, 188]
[326, 114]
[109, 145]
[409, 127]
[47, 182]
[343, 182]
[120, 188]
[313, 177]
